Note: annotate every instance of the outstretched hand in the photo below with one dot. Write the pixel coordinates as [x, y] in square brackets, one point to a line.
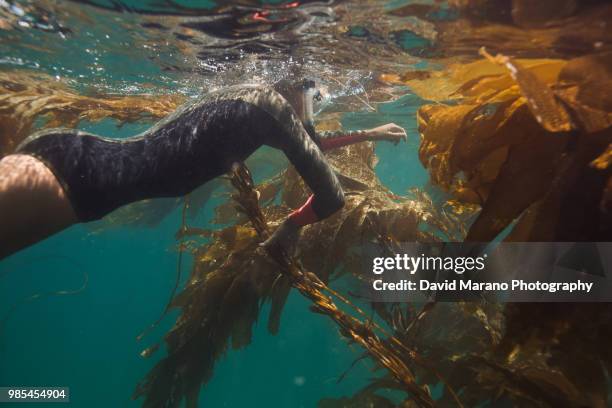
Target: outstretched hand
[390, 132]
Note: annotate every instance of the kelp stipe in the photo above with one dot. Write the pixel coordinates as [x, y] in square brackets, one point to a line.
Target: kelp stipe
[384, 352]
[232, 276]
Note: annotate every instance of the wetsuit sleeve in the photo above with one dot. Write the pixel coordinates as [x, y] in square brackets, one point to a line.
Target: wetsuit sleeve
[309, 161]
[311, 164]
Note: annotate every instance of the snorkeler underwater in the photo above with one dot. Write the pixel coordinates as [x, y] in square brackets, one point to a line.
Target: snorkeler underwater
[333, 204]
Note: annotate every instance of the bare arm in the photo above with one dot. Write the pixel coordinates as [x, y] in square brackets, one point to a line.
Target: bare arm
[33, 204]
[390, 132]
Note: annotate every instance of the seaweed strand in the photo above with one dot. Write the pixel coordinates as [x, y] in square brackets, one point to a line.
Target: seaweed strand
[310, 286]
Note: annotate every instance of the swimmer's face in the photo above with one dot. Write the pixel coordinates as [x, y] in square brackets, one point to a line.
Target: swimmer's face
[302, 97]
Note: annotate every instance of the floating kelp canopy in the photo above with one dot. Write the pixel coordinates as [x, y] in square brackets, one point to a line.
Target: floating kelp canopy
[29, 100]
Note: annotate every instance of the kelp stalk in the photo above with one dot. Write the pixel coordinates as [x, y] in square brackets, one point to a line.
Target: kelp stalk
[310, 286]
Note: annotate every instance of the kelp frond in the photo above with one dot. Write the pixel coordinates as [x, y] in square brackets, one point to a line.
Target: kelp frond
[232, 276]
[519, 140]
[27, 97]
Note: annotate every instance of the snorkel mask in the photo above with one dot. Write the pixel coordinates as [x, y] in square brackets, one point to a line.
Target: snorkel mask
[312, 95]
[302, 95]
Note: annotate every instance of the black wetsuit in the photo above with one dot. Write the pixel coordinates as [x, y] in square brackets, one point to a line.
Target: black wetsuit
[197, 143]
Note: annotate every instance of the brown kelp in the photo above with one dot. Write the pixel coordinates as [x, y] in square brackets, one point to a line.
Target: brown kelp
[30, 99]
[523, 139]
[310, 286]
[527, 140]
[479, 351]
[232, 276]
[526, 355]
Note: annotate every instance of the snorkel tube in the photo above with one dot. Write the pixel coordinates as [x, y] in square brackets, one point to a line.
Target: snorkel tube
[301, 95]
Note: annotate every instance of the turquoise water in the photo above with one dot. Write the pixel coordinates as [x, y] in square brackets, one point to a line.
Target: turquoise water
[87, 341]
